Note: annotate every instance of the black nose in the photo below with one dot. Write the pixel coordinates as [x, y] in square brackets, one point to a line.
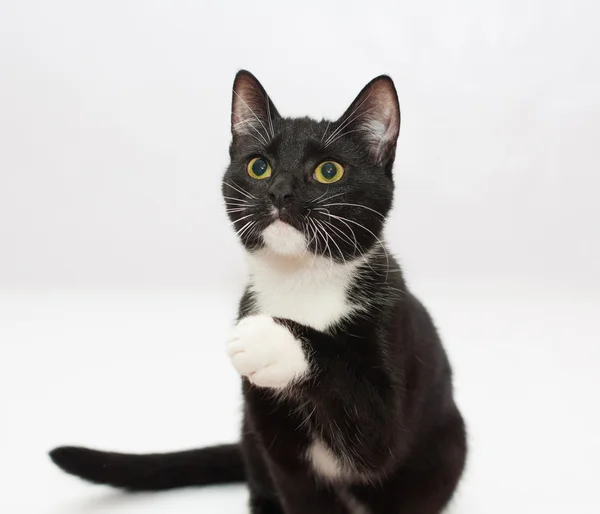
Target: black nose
[281, 192]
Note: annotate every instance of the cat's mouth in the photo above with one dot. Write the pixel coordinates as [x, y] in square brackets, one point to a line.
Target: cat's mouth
[285, 216]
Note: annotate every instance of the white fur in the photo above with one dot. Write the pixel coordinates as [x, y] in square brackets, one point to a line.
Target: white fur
[352, 504]
[307, 289]
[324, 462]
[376, 129]
[284, 239]
[266, 352]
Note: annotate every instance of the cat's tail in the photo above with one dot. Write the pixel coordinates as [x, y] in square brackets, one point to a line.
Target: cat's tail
[153, 472]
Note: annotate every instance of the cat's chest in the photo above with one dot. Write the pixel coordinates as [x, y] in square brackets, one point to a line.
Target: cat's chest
[316, 297]
[318, 307]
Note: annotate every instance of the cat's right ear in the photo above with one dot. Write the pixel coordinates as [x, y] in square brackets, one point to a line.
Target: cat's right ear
[375, 116]
[252, 111]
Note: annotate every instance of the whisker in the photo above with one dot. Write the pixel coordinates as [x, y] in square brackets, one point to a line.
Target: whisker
[240, 219]
[355, 205]
[234, 205]
[333, 241]
[317, 200]
[305, 227]
[307, 418]
[238, 232]
[369, 231]
[317, 245]
[326, 129]
[269, 115]
[340, 231]
[345, 122]
[245, 228]
[329, 197]
[241, 200]
[344, 125]
[240, 190]
[327, 247]
[252, 231]
[342, 135]
[349, 228]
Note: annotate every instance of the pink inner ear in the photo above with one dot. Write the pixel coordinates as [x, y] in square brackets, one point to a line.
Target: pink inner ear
[251, 113]
[245, 112]
[375, 114]
[381, 119]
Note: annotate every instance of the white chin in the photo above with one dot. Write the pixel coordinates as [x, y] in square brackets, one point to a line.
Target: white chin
[283, 239]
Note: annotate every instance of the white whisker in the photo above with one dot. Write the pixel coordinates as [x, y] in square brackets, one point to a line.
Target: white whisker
[328, 198]
[232, 204]
[355, 205]
[252, 231]
[345, 122]
[317, 200]
[242, 218]
[245, 228]
[333, 241]
[317, 245]
[269, 115]
[241, 200]
[344, 125]
[342, 135]
[327, 247]
[349, 228]
[369, 231]
[326, 129]
[238, 232]
[340, 231]
[240, 190]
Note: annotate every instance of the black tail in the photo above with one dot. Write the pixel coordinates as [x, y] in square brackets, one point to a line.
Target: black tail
[153, 472]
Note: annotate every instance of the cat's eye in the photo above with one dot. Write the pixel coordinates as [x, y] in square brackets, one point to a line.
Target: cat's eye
[329, 172]
[259, 168]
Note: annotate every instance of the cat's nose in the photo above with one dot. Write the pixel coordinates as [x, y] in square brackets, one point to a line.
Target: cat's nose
[281, 192]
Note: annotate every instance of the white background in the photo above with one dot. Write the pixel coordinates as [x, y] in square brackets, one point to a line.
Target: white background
[119, 275]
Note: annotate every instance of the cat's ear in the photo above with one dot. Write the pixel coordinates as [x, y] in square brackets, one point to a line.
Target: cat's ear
[375, 116]
[252, 111]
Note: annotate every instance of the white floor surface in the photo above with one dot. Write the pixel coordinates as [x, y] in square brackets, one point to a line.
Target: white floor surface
[146, 371]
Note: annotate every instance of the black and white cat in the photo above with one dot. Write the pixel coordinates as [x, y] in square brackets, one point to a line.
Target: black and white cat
[348, 391]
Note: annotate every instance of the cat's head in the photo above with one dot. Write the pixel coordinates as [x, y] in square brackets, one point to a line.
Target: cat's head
[296, 186]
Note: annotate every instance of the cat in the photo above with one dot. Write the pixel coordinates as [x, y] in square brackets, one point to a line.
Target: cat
[348, 397]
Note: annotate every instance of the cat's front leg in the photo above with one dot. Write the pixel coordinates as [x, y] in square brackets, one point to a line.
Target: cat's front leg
[267, 353]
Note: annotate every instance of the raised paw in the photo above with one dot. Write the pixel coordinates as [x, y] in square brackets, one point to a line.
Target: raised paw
[266, 352]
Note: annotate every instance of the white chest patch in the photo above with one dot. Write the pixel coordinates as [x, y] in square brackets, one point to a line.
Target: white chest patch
[324, 462]
[308, 289]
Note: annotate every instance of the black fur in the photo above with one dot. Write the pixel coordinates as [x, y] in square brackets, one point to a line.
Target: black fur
[154, 472]
[379, 394]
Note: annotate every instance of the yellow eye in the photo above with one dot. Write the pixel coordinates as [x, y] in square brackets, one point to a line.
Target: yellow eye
[329, 172]
[259, 168]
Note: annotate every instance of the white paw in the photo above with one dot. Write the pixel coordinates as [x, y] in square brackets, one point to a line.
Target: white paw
[266, 352]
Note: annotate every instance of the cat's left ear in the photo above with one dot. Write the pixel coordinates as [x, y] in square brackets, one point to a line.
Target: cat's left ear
[252, 111]
[375, 116]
